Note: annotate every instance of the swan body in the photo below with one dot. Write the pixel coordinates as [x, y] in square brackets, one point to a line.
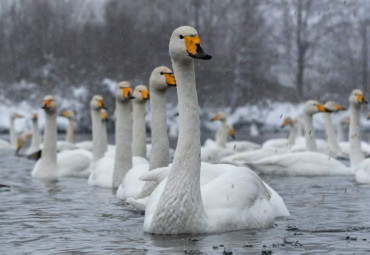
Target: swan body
[236, 199]
[86, 145]
[251, 156]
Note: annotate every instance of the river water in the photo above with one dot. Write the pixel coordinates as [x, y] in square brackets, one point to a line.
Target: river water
[328, 215]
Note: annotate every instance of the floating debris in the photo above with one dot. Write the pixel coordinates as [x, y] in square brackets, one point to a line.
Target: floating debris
[228, 251]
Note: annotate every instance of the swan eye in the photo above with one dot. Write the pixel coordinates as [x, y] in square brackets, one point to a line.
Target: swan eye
[181, 37]
[161, 73]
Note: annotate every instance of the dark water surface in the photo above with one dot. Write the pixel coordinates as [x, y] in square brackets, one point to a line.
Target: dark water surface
[328, 214]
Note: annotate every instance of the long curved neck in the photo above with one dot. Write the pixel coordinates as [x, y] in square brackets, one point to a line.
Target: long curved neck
[13, 136]
[70, 131]
[221, 135]
[298, 126]
[292, 134]
[139, 129]
[36, 139]
[309, 133]
[159, 155]
[49, 151]
[340, 132]
[356, 155]
[98, 140]
[182, 189]
[123, 155]
[329, 130]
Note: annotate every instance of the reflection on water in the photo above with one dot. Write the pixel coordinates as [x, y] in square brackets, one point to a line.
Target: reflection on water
[328, 214]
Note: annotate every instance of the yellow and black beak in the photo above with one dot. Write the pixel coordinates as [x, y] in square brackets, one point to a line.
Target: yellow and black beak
[126, 92]
[145, 94]
[47, 104]
[285, 122]
[19, 147]
[340, 108]
[216, 117]
[360, 99]
[64, 114]
[192, 44]
[101, 104]
[104, 116]
[322, 108]
[232, 133]
[170, 79]
[18, 115]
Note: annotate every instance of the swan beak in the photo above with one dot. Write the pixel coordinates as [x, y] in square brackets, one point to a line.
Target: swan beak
[47, 104]
[321, 108]
[192, 44]
[19, 146]
[170, 79]
[100, 104]
[17, 115]
[126, 92]
[285, 122]
[340, 108]
[232, 133]
[104, 116]
[145, 94]
[65, 114]
[216, 117]
[360, 99]
[34, 115]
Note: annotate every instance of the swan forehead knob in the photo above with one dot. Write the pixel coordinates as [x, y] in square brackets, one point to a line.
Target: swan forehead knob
[141, 93]
[333, 106]
[185, 44]
[123, 91]
[312, 107]
[161, 78]
[357, 97]
[50, 105]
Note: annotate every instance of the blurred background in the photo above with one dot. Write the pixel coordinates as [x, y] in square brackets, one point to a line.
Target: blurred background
[268, 55]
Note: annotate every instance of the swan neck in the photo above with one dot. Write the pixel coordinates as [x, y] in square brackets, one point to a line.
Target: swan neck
[36, 139]
[97, 137]
[221, 135]
[123, 155]
[139, 129]
[13, 136]
[159, 155]
[292, 134]
[70, 131]
[356, 155]
[329, 131]
[104, 136]
[49, 151]
[340, 131]
[309, 133]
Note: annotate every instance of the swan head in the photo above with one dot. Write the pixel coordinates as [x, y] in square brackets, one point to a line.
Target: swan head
[333, 106]
[68, 114]
[24, 137]
[50, 105]
[232, 132]
[104, 115]
[345, 120]
[311, 107]
[96, 103]
[34, 116]
[16, 115]
[141, 93]
[357, 97]
[123, 91]
[162, 78]
[287, 121]
[185, 45]
[219, 116]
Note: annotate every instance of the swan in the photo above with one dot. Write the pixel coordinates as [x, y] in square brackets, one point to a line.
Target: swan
[109, 170]
[236, 199]
[160, 80]
[283, 142]
[4, 145]
[344, 120]
[359, 164]
[36, 138]
[53, 165]
[24, 137]
[307, 163]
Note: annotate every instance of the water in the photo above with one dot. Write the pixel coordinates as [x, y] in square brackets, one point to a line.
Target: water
[328, 214]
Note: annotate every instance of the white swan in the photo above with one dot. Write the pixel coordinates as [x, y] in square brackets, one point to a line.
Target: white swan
[4, 145]
[308, 163]
[22, 138]
[160, 80]
[283, 142]
[36, 138]
[236, 199]
[70, 163]
[344, 120]
[359, 164]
